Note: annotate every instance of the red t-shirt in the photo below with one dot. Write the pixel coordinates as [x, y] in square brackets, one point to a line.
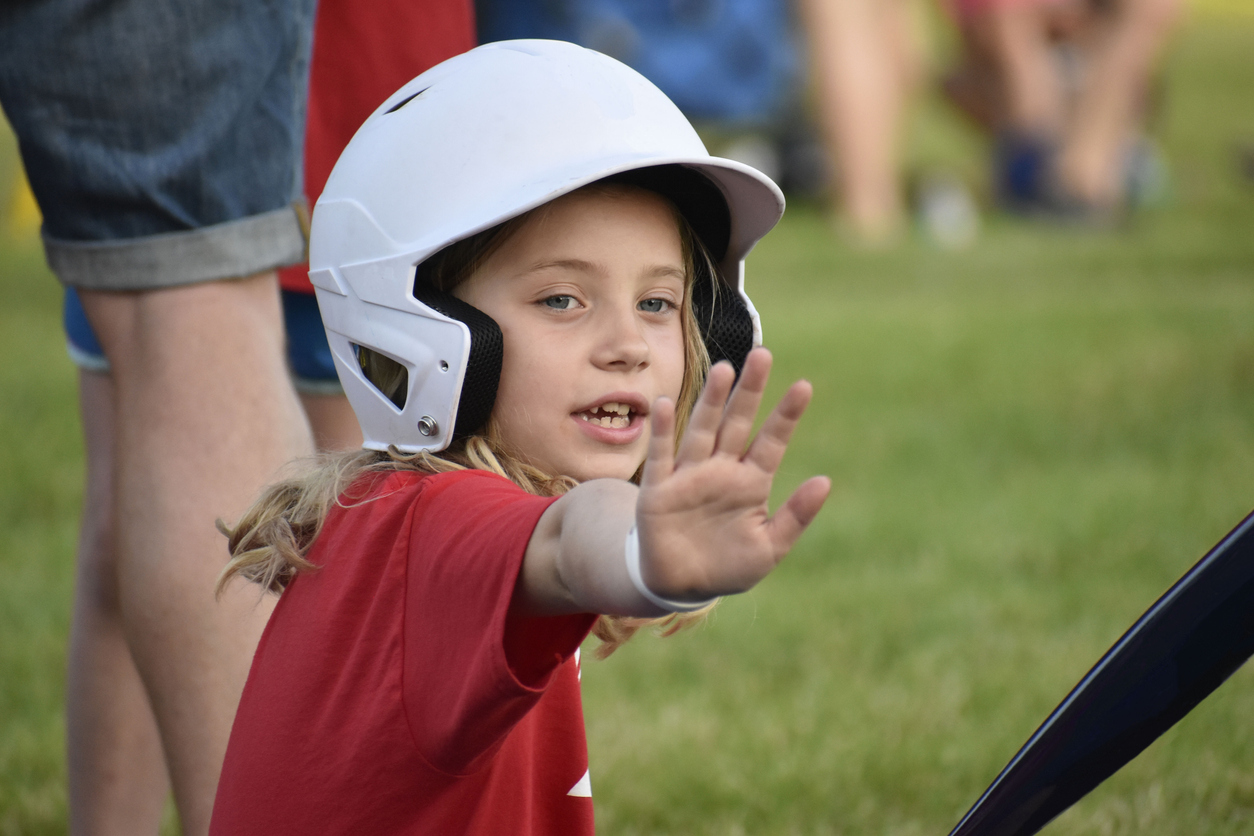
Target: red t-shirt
[363, 52]
[391, 693]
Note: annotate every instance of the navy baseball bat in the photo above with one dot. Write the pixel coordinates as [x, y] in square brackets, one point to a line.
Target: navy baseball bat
[1183, 648]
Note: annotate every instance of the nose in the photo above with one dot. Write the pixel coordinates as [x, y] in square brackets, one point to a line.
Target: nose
[621, 343]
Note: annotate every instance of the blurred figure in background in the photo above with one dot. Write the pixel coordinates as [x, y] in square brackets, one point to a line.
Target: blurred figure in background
[1065, 86]
[162, 142]
[732, 66]
[186, 398]
[866, 62]
[735, 67]
[362, 54]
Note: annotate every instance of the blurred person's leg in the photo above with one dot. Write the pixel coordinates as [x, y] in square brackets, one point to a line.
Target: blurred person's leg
[165, 159]
[334, 425]
[313, 372]
[1107, 112]
[1015, 38]
[117, 777]
[118, 781]
[1011, 41]
[864, 61]
[205, 416]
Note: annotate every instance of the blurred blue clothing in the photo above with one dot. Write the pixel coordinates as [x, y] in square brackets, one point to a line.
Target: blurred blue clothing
[732, 61]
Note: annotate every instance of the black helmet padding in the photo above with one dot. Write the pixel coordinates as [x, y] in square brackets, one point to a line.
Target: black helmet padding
[725, 324]
[483, 369]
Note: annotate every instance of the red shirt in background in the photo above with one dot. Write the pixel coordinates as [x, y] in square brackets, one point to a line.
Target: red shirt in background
[364, 50]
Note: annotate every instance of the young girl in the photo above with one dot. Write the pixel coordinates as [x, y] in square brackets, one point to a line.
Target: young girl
[526, 261]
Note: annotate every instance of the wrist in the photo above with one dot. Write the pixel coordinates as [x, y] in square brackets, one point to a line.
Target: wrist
[631, 553]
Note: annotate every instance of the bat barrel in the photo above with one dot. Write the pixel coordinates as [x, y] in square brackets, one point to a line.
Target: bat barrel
[1183, 648]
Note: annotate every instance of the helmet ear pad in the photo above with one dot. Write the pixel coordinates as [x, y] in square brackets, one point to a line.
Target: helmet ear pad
[483, 367]
[724, 320]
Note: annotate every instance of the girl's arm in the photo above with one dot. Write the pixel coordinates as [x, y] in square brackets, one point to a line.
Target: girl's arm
[701, 512]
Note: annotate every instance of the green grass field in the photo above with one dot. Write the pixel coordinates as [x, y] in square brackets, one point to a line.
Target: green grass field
[1029, 440]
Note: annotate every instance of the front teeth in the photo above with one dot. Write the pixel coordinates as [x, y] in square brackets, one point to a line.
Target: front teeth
[615, 419]
[617, 422]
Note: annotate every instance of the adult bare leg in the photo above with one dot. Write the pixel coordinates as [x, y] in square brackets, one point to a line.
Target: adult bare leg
[1091, 164]
[117, 776]
[1015, 39]
[863, 62]
[205, 416]
[334, 424]
[118, 782]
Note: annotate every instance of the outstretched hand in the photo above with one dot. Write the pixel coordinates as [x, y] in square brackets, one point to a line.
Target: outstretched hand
[701, 515]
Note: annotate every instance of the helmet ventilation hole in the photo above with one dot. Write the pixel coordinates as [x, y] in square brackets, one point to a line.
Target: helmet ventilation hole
[443, 365]
[406, 100]
[384, 374]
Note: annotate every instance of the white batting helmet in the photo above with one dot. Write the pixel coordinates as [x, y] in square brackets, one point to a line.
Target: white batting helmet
[473, 142]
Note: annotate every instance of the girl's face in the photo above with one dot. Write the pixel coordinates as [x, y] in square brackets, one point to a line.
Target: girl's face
[588, 295]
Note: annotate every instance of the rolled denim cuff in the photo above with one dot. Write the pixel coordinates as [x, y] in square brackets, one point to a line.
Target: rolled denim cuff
[223, 251]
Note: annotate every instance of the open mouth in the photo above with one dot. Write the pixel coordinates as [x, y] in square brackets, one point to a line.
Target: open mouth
[611, 415]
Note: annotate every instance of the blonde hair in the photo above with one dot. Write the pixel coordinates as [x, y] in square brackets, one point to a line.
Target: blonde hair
[270, 543]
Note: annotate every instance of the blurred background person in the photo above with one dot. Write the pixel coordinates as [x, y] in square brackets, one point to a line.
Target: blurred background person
[1066, 88]
[815, 93]
[162, 145]
[866, 61]
[185, 381]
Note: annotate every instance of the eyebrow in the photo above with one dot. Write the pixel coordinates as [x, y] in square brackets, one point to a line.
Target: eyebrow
[579, 264]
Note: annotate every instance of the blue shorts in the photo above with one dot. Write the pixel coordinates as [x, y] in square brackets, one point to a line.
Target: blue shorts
[162, 140]
[308, 355]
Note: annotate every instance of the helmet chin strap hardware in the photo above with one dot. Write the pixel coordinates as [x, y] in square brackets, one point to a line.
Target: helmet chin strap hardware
[428, 426]
[483, 369]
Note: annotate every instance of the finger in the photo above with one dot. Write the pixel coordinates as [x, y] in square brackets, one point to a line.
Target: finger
[660, 462]
[742, 407]
[797, 513]
[768, 449]
[702, 431]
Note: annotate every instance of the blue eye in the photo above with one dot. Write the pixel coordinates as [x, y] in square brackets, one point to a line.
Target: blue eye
[654, 305]
[559, 303]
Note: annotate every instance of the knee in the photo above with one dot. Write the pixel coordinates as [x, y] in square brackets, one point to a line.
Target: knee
[143, 332]
[97, 557]
[97, 569]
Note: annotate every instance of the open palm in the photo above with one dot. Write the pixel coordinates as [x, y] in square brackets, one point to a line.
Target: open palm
[702, 516]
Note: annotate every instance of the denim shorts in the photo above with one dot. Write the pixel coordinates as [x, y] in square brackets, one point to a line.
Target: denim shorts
[162, 138]
[308, 354]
